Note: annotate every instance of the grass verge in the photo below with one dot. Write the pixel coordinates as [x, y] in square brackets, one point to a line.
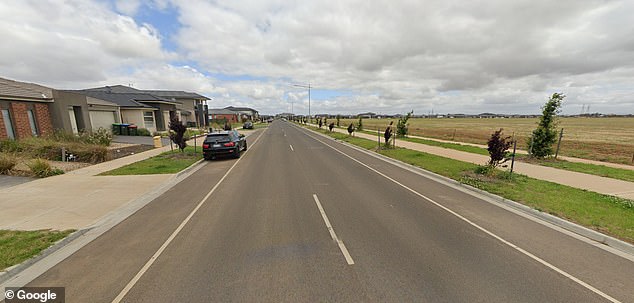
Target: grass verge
[18, 246]
[592, 169]
[586, 168]
[170, 162]
[607, 214]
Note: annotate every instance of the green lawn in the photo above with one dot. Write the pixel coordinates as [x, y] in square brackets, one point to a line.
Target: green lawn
[166, 163]
[607, 214]
[586, 168]
[18, 246]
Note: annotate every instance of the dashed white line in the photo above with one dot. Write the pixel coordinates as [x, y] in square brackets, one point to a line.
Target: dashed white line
[521, 250]
[169, 240]
[333, 235]
[291, 147]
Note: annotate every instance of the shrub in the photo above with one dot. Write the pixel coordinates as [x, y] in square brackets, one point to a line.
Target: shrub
[483, 170]
[7, 162]
[143, 132]
[498, 148]
[102, 137]
[10, 146]
[178, 133]
[401, 125]
[43, 169]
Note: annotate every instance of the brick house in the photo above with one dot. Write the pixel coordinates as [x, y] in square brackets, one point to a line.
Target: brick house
[216, 115]
[24, 109]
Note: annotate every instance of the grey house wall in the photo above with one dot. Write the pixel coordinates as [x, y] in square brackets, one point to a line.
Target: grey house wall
[59, 111]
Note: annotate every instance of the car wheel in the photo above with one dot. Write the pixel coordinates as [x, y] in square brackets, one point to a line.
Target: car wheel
[237, 153]
[245, 146]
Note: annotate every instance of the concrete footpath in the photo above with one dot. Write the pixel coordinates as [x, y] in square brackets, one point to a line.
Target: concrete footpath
[593, 183]
[79, 198]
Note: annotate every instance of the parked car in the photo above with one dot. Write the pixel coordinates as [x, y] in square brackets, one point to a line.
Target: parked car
[229, 143]
[248, 125]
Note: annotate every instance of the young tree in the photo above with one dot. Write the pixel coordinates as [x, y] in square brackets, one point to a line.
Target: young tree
[360, 124]
[178, 133]
[545, 135]
[338, 120]
[498, 148]
[401, 125]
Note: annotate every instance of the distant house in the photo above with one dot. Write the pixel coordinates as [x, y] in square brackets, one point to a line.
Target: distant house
[367, 115]
[221, 114]
[24, 109]
[245, 113]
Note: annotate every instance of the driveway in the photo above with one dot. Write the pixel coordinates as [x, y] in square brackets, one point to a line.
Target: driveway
[8, 181]
[144, 140]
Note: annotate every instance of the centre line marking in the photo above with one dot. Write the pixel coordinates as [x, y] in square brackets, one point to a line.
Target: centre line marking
[333, 235]
[486, 231]
[291, 147]
[169, 240]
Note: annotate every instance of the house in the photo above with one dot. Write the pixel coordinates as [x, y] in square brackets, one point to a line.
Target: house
[190, 107]
[75, 112]
[25, 109]
[245, 113]
[144, 110]
[218, 114]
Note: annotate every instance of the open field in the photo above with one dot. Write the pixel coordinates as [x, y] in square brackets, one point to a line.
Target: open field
[602, 139]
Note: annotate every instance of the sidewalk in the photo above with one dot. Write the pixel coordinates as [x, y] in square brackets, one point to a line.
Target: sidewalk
[77, 199]
[593, 183]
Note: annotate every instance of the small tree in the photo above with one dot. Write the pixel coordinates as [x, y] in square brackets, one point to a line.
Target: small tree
[338, 120]
[401, 125]
[360, 124]
[545, 135]
[498, 148]
[178, 133]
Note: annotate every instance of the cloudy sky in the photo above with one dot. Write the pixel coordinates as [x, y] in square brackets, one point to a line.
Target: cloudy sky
[391, 56]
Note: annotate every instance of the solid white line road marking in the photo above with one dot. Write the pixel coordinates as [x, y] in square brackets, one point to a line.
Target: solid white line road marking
[169, 240]
[521, 250]
[291, 147]
[333, 235]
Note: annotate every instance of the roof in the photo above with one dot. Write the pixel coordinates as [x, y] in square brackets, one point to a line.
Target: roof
[220, 111]
[125, 99]
[25, 91]
[240, 109]
[177, 94]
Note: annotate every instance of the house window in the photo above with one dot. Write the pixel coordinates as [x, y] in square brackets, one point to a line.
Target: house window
[34, 130]
[6, 117]
[148, 119]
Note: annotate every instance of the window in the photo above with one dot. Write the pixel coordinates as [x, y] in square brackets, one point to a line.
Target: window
[34, 130]
[148, 119]
[6, 117]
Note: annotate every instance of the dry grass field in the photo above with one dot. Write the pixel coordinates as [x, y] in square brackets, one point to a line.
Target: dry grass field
[602, 139]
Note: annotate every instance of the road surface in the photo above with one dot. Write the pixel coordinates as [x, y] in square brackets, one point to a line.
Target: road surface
[303, 218]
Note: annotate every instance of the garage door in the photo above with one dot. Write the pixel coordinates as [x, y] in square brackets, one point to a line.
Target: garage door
[103, 119]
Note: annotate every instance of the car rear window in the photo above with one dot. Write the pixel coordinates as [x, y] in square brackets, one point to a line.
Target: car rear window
[217, 137]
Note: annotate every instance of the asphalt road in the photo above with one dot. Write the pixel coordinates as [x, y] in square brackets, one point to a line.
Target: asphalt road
[302, 218]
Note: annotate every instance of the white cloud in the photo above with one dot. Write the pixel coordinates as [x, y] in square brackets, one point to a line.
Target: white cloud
[62, 43]
[387, 56]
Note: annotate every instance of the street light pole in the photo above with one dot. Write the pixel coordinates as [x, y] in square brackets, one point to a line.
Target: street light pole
[306, 86]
